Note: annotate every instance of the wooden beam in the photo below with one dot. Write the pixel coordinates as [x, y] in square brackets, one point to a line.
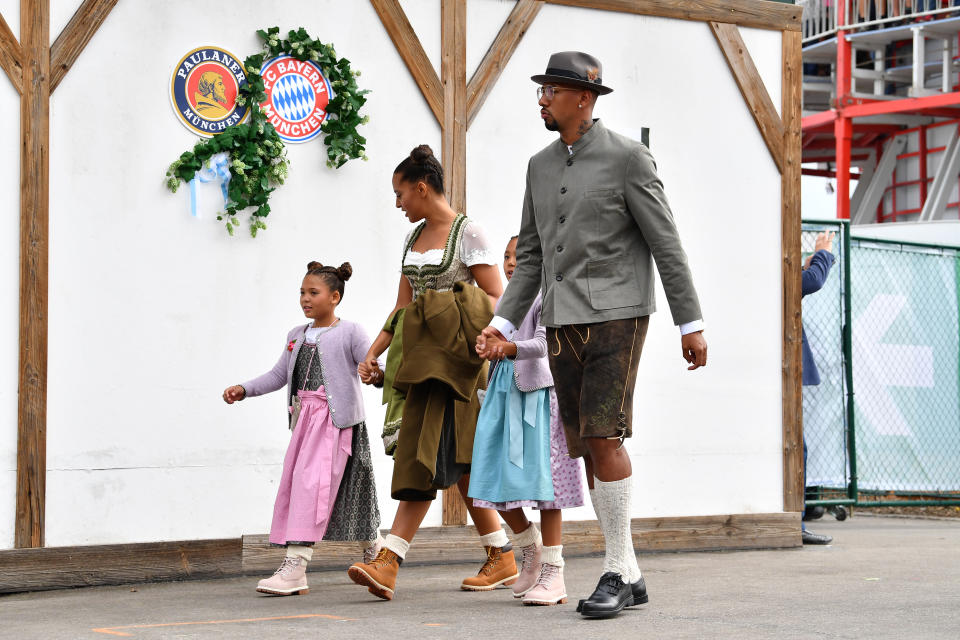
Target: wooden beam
[453, 72]
[65, 567]
[442, 545]
[11, 55]
[87, 566]
[793, 490]
[751, 87]
[70, 43]
[496, 58]
[408, 45]
[746, 13]
[34, 221]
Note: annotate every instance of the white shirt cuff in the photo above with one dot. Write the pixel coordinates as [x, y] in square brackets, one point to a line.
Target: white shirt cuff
[504, 326]
[690, 327]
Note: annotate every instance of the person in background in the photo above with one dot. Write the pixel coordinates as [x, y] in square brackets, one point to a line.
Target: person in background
[815, 271]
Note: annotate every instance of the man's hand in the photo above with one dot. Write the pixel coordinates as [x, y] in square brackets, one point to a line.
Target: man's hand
[824, 241]
[694, 349]
[484, 350]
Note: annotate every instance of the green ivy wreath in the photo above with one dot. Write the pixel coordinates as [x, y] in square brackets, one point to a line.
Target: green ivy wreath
[258, 158]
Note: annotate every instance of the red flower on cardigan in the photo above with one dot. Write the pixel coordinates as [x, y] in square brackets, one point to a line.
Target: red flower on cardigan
[290, 346]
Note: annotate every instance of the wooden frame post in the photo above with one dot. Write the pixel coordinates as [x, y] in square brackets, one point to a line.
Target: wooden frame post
[793, 482]
[34, 220]
[35, 69]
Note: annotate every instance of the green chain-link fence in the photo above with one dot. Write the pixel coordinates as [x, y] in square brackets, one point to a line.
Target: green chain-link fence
[883, 426]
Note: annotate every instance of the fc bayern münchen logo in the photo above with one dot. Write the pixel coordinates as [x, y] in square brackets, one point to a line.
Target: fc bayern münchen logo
[204, 90]
[297, 97]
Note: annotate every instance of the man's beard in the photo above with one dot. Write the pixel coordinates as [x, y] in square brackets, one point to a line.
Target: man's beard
[551, 125]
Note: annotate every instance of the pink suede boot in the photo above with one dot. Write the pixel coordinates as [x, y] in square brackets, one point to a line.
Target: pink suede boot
[529, 570]
[289, 580]
[549, 588]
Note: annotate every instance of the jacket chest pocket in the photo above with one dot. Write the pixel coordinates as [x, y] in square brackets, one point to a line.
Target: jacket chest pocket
[608, 208]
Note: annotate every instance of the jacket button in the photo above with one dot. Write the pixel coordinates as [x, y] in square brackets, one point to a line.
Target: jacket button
[569, 163]
[563, 219]
[563, 189]
[333, 410]
[559, 277]
[560, 249]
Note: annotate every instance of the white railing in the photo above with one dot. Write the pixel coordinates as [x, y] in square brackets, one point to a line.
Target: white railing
[820, 16]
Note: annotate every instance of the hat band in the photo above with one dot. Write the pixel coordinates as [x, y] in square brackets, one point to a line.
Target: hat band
[553, 71]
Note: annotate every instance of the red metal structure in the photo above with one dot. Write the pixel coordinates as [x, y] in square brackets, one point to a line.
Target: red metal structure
[892, 87]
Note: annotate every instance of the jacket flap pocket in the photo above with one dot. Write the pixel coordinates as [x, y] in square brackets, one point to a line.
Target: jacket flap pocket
[612, 284]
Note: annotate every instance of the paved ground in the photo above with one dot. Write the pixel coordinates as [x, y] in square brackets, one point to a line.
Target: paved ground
[882, 578]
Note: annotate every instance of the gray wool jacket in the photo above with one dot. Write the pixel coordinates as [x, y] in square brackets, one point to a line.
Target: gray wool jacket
[593, 224]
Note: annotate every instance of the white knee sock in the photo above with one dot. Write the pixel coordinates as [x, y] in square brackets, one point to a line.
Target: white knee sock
[593, 501]
[497, 538]
[613, 501]
[552, 555]
[527, 537]
[300, 551]
[396, 544]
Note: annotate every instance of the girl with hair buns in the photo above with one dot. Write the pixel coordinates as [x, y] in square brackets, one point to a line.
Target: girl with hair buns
[326, 491]
[448, 285]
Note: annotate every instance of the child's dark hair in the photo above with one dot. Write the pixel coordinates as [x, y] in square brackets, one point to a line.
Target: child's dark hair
[333, 277]
[422, 165]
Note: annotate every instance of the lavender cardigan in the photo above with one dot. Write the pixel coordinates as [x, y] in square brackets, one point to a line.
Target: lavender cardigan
[531, 368]
[341, 350]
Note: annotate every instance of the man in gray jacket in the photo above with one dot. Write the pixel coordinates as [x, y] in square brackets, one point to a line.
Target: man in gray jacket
[594, 219]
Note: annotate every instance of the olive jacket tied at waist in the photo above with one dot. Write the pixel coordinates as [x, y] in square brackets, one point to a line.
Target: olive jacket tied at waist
[440, 330]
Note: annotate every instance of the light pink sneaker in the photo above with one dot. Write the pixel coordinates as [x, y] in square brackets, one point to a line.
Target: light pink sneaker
[371, 552]
[289, 580]
[549, 588]
[529, 570]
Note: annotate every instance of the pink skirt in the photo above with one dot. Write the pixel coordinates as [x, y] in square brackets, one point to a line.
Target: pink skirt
[312, 471]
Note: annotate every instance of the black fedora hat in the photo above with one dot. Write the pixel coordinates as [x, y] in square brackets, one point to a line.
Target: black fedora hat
[574, 68]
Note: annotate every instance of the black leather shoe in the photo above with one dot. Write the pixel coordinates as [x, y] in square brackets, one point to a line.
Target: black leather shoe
[639, 589]
[809, 537]
[609, 598]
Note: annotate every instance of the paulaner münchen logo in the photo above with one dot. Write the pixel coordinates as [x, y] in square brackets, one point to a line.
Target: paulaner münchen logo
[204, 90]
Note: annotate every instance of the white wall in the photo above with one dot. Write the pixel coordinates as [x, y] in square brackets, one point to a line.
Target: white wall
[153, 313]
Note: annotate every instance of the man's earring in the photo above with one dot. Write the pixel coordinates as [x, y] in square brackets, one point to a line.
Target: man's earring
[579, 106]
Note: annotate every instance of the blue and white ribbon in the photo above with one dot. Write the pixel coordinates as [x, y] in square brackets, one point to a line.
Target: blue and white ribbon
[217, 168]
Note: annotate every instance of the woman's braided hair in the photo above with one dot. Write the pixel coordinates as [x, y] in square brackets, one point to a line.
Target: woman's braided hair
[333, 277]
[422, 166]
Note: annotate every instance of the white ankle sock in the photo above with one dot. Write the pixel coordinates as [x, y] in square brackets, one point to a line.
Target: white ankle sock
[396, 544]
[552, 555]
[527, 537]
[497, 538]
[300, 551]
[613, 501]
[366, 544]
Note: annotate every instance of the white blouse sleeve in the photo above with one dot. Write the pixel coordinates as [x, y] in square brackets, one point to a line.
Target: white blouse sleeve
[475, 248]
